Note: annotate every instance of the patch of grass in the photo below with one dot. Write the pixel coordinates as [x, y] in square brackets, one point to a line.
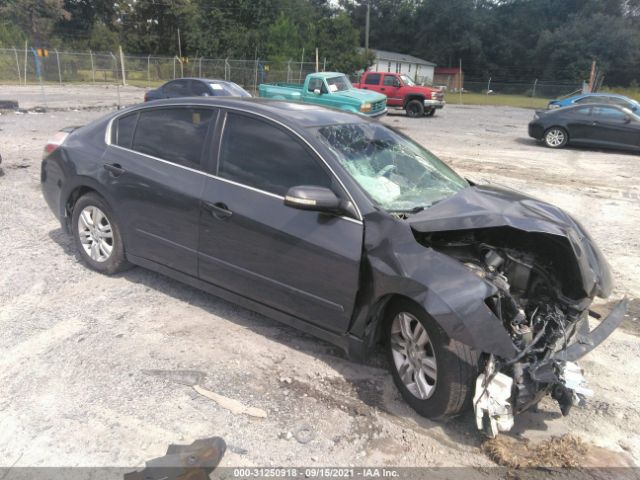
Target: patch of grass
[498, 99]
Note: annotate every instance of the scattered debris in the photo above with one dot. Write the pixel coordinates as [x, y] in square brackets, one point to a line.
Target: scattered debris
[193, 462]
[304, 434]
[193, 378]
[234, 406]
[566, 451]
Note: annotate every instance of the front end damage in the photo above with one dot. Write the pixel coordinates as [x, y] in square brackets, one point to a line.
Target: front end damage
[543, 271]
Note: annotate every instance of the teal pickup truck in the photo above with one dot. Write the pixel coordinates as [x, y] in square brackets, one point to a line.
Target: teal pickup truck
[329, 89]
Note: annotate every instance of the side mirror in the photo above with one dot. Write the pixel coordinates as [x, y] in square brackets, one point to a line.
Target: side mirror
[627, 119]
[308, 197]
[317, 91]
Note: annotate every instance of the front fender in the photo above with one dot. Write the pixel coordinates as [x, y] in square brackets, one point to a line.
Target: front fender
[396, 264]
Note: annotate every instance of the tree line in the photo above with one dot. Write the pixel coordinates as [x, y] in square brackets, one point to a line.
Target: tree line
[505, 39]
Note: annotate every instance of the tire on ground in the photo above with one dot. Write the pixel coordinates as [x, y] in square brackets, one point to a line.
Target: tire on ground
[116, 262]
[415, 108]
[457, 367]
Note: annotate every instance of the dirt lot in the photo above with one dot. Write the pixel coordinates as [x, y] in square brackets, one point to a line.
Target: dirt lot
[98, 371]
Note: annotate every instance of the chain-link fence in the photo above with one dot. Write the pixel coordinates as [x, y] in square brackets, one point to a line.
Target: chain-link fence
[30, 66]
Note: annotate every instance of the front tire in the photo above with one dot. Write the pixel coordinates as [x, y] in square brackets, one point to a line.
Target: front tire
[415, 109]
[556, 137]
[434, 373]
[430, 113]
[97, 235]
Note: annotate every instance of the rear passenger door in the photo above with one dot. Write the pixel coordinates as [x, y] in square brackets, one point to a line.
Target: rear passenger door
[154, 171]
[303, 263]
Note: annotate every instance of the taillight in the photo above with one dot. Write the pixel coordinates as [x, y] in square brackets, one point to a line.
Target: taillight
[146, 97]
[54, 142]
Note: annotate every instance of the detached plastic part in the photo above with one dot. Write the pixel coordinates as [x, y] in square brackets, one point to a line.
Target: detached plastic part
[492, 404]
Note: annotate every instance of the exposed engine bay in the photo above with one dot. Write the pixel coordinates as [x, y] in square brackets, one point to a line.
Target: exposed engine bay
[539, 303]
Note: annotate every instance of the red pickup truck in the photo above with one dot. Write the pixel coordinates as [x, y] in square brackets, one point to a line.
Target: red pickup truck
[402, 92]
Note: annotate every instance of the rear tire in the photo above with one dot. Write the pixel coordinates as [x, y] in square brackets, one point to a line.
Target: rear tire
[555, 137]
[415, 109]
[97, 235]
[449, 367]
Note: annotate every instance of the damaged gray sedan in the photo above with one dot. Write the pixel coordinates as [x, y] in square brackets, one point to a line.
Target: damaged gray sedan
[349, 230]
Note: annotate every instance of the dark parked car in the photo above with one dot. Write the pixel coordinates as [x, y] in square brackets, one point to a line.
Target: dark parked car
[343, 227]
[607, 126]
[196, 87]
[600, 98]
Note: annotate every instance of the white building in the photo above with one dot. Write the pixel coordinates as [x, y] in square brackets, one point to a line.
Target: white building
[418, 69]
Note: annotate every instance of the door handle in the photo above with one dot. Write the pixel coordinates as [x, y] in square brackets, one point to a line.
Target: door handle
[382, 88]
[218, 210]
[115, 169]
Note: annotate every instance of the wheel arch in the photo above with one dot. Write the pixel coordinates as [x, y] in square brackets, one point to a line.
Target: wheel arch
[78, 188]
[411, 97]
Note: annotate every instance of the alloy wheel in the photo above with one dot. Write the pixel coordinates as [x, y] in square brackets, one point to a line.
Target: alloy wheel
[555, 137]
[96, 234]
[413, 355]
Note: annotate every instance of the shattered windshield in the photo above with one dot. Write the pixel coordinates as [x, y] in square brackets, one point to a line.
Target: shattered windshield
[338, 84]
[398, 174]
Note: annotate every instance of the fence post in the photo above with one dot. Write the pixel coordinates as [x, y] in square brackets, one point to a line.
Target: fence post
[58, 61]
[148, 71]
[255, 79]
[227, 66]
[535, 84]
[25, 61]
[17, 65]
[324, 64]
[115, 66]
[93, 70]
[124, 76]
[200, 67]
[174, 68]
[289, 71]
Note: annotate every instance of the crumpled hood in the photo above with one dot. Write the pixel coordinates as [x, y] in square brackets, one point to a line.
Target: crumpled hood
[480, 207]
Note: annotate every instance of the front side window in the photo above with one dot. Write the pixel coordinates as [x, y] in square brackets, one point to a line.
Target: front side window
[317, 84]
[391, 81]
[173, 134]
[398, 174]
[338, 84]
[260, 155]
[199, 89]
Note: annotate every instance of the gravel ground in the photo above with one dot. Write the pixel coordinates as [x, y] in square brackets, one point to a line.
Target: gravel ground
[98, 371]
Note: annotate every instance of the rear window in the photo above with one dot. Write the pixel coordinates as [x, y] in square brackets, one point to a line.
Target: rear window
[173, 134]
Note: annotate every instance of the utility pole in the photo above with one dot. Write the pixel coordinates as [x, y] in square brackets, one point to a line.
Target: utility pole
[592, 76]
[366, 29]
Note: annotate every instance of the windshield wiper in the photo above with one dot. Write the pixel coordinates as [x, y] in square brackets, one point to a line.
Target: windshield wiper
[417, 209]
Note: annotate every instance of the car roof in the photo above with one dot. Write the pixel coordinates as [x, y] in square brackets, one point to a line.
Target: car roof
[208, 80]
[614, 95]
[291, 114]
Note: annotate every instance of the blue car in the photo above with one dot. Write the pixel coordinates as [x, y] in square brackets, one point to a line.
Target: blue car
[601, 98]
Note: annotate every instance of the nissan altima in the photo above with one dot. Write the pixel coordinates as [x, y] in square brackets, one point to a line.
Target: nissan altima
[343, 227]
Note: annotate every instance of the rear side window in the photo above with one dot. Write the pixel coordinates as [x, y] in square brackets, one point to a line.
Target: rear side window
[372, 79]
[260, 155]
[174, 134]
[125, 129]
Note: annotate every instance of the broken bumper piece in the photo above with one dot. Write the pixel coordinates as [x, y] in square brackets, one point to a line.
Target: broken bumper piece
[495, 395]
